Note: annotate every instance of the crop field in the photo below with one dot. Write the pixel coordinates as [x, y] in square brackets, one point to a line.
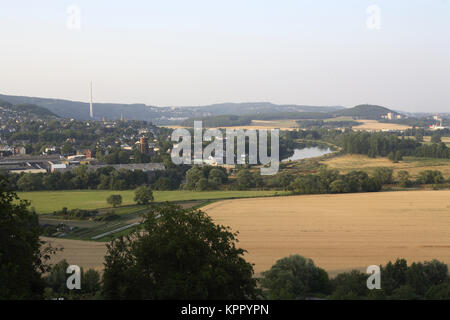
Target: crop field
[413, 165]
[49, 201]
[341, 232]
[85, 254]
[373, 125]
[288, 124]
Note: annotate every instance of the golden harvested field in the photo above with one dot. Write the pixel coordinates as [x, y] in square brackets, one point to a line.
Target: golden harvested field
[373, 125]
[347, 163]
[260, 124]
[86, 254]
[341, 232]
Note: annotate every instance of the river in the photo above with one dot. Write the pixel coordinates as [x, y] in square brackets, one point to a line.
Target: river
[306, 153]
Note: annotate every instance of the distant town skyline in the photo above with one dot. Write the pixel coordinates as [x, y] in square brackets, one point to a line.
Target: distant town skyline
[177, 53]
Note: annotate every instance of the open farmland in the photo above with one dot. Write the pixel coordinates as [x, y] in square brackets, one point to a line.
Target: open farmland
[413, 165]
[288, 124]
[49, 201]
[341, 232]
[373, 125]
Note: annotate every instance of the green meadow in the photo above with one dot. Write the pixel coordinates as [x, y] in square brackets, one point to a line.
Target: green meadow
[49, 201]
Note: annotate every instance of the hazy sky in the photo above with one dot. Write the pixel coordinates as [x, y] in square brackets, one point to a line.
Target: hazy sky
[317, 52]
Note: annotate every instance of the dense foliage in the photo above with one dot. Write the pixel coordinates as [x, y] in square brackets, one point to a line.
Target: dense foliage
[178, 254]
[384, 144]
[296, 277]
[22, 255]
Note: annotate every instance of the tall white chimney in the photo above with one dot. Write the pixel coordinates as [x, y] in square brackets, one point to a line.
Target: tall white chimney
[91, 110]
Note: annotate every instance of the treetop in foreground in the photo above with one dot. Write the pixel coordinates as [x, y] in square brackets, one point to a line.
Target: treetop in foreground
[178, 254]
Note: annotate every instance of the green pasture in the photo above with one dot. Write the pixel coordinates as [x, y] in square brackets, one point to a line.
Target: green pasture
[49, 201]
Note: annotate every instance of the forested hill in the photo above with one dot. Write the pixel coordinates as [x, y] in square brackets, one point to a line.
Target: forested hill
[28, 109]
[366, 111]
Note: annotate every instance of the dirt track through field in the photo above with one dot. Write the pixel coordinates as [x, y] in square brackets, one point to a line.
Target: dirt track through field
[341, 232]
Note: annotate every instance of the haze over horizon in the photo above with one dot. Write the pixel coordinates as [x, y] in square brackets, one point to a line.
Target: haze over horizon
[174, 53]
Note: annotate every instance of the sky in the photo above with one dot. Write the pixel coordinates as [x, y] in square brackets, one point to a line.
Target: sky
[198, 52]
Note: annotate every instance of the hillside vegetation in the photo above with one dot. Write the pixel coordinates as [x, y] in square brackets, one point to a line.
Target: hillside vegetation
[365, 111]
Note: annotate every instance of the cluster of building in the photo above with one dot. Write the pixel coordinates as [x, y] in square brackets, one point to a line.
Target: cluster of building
[15, 160]
[57, 163]
[392, 116]
[438, 125]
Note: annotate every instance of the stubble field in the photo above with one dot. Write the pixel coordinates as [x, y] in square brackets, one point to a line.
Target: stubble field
[341, 232]
[413, 165]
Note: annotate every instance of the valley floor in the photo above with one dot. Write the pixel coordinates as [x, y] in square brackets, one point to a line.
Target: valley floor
[339, 232]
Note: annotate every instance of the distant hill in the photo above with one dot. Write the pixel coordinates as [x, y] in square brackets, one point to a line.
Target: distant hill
[30, 109]
[80, 110]
[365, 111]
[34, 109]
[248, 108]
[158, 115]
[233, 120]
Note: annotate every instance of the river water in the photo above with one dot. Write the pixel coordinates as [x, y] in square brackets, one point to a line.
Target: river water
[306, 153]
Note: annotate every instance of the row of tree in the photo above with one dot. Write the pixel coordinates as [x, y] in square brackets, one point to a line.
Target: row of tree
[106, 178]
[296, 277]
[330, 181]
[385, 144]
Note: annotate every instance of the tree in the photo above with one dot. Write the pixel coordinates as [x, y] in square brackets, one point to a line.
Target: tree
[349, 286]
[57, 278]
[394, 275]
[143, 195]
[123, 156]
[193, 175]
[383, 175]
[285, 179]
[403, 178]
[430, 176]
[202, 185]
[419, 137]
[295, 277]
[114, 200]
[178, 254]
[398, 156]
[244, 179]
[67, 148]
[422, 276]
[436, 138]
[405, 292]
[439, 292]
[30, 182]
[23, 256]
[90, 282]
[339, 186]
[217, 177]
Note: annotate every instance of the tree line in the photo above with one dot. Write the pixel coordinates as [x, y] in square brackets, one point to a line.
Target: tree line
[384, 144]
[106, 178]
